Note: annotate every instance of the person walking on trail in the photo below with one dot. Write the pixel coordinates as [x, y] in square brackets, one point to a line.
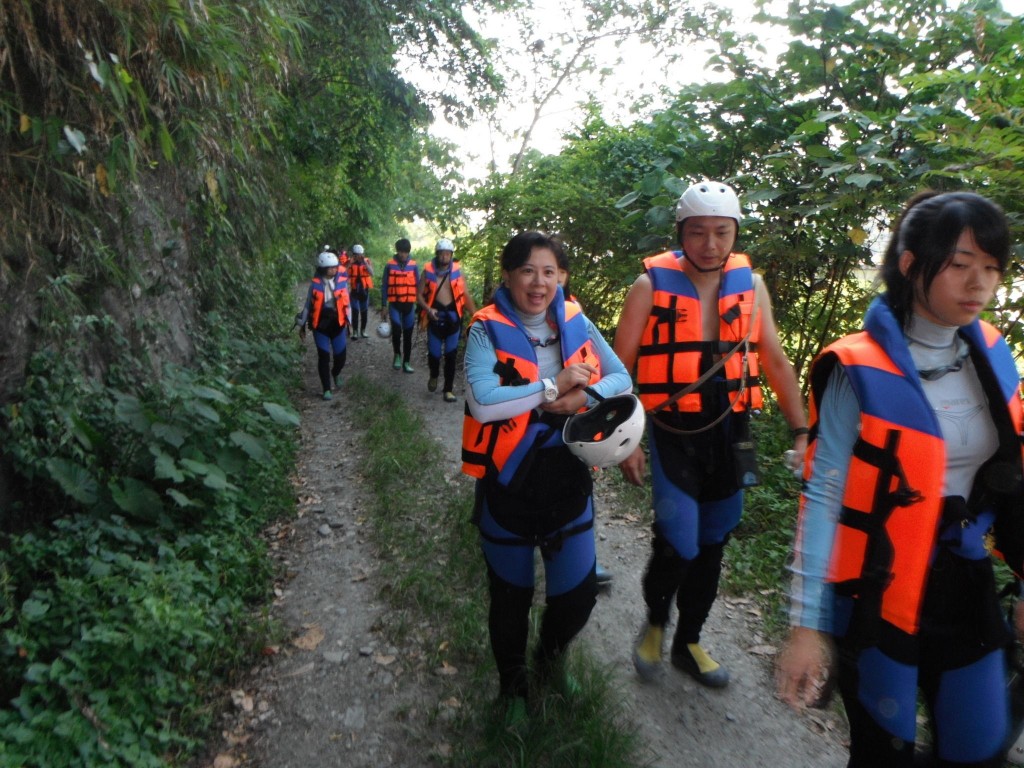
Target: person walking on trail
[698, 326]
[326, 312]
[443, 297]
[912, 479]
[529, 356]
[604, 577]
[360, 282]
[398, 302]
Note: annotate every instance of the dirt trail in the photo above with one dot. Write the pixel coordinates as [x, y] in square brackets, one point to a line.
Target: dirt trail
[337, 694]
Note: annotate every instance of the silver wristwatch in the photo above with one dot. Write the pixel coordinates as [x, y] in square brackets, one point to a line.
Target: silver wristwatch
[550, 390]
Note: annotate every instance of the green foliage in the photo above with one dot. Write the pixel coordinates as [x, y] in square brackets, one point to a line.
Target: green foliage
[870, 102]
[574, 194]
[356, 127]
[96, 96]
[129, 591]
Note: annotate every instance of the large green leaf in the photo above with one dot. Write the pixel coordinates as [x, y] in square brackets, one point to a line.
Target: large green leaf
[252, 445]
[164, 467]
[281, 415]
[136, 498]
[74, 479]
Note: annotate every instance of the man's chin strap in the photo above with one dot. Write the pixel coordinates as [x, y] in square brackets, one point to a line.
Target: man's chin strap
[702, 269]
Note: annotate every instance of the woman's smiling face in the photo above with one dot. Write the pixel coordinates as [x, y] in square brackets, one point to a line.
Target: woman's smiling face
[533, 284]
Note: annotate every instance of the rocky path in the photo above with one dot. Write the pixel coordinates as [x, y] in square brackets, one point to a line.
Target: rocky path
[335, 693]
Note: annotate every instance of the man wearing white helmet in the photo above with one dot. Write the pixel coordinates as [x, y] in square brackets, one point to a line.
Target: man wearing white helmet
[444, 301]
[698, 327]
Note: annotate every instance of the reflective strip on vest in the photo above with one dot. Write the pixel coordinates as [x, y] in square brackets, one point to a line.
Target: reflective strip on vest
[673, 352]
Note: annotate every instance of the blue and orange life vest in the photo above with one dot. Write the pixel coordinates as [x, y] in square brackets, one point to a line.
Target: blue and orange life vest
[673, 351]
[892, 502]
[401, 281]
[341, 301]
[499, 447]
[433, 282]
[359, 278]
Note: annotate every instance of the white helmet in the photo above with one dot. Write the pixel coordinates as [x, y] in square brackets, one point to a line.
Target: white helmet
[357, 249]
[444, 244]
[1015, 754]
[327, 259]
[384, 329]
[709, 198]
[606, 434]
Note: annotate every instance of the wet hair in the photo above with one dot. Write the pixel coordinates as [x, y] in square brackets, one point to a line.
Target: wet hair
[403, 245]
[929, 227]
[517, 250]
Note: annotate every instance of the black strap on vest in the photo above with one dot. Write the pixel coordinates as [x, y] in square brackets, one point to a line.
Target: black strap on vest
[510, 377]
[876, 573]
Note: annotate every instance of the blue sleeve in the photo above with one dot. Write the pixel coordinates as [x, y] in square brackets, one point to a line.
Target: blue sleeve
[384, 287]
[306, 308]
[615, 379]
[838, 430]
[488, 399]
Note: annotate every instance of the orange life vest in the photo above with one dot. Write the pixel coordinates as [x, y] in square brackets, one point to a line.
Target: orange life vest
[359, 277]
[457, 281]
[401, 281]
[340, 301]
[499, 447]
[892, 502]
[673, 351]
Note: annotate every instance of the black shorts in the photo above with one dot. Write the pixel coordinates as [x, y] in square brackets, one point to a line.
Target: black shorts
[702, 464]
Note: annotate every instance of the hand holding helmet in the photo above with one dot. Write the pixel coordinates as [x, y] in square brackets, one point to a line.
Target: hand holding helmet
[570, 382]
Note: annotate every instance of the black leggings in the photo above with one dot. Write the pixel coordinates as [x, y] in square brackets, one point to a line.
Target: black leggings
[509, 623]
[358, 319]
[401, 341]
[434, 364]
[693, 582]
[324, 368]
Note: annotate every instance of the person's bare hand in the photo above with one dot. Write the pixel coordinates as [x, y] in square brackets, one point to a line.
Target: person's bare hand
[567, 404]
[575, 376]
[803, 673]
[634, 466]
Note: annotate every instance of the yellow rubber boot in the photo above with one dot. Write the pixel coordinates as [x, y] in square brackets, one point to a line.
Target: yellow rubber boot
[648, 652]
[697, 663]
